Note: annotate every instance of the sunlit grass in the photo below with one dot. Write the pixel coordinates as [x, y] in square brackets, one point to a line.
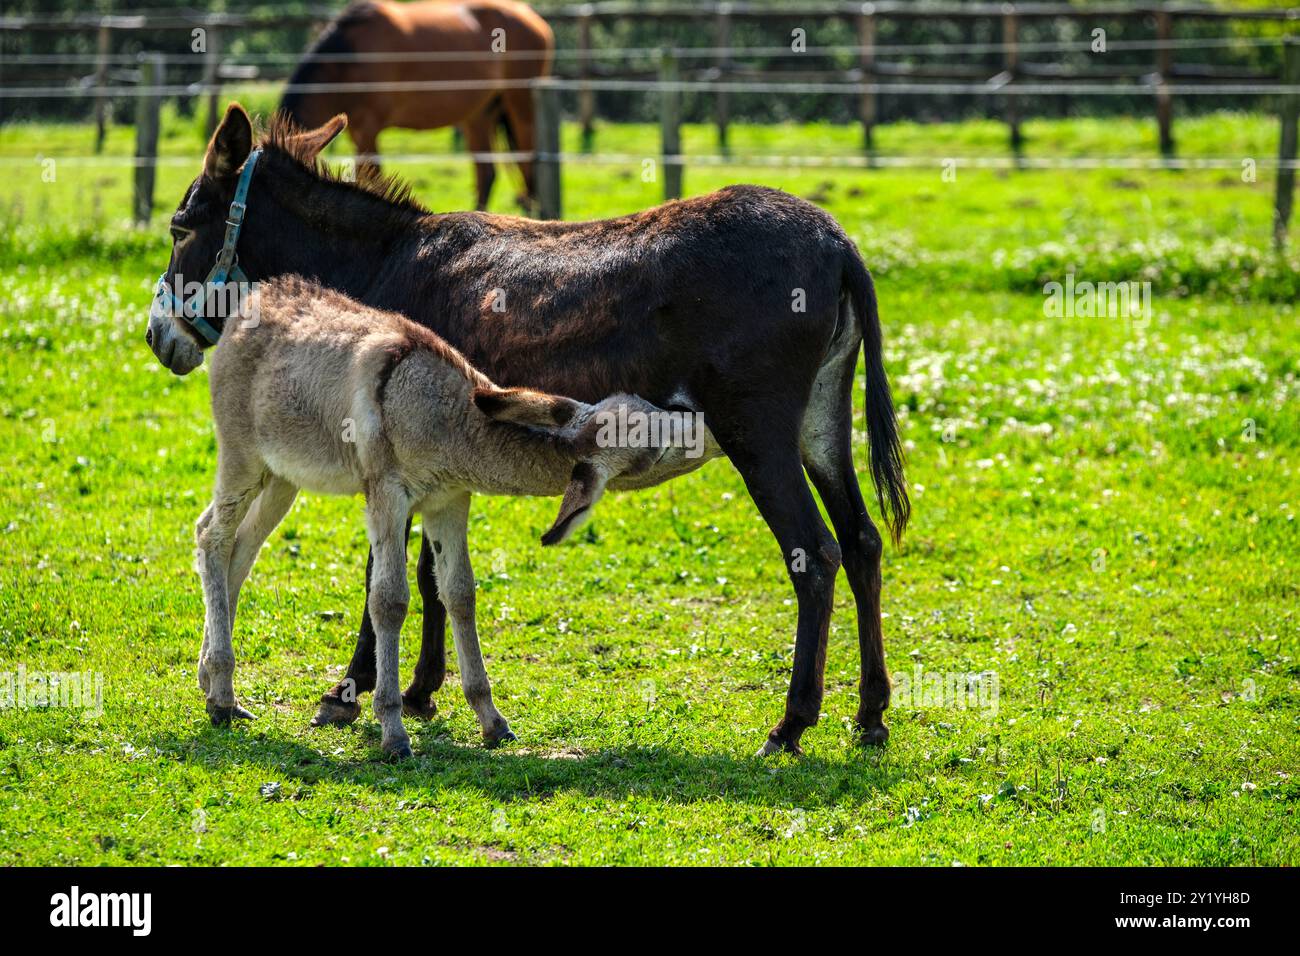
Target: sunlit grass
[1104, 516]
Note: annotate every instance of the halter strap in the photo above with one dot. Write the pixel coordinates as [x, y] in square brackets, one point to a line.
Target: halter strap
[226, 267]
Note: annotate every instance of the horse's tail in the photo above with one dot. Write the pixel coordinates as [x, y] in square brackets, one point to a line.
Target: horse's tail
[882, 427]
[332, 41]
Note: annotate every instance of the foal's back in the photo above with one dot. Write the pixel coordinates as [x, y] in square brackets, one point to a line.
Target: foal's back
[302, 384]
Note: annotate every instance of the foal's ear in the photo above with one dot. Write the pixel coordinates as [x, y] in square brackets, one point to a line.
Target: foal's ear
[308, 144]
[585, 487]
[523, 406]
[230, 145]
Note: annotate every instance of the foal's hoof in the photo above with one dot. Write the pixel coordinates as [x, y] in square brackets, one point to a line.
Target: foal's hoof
[414, 707]
[874, 734]
[335, 713]
[398, 750]
[222, 716]
[775, 745]
[498, 736]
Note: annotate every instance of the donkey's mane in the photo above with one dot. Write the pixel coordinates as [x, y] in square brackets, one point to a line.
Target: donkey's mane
[282, 136]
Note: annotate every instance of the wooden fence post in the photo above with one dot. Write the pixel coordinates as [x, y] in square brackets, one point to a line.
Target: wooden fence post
[546, 111]
[147, 107]
[212, 76]
[722, 62]
[1290, 109]
[1164, 71]
[1011, 64]
[102, 51]
[586, 95]
[867, 63]
[670, 125]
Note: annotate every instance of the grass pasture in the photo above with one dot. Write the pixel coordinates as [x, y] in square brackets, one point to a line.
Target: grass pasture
[1104, 517]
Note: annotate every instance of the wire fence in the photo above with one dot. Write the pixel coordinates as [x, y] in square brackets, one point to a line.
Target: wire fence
[716, 71]
[737, 160]
[651, 53]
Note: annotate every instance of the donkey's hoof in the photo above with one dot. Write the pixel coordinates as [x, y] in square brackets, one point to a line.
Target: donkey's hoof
[335, 713]
[498, 736]
[776, 745]
[414, 707]
[398, 750]
[874, 734]
[222, 716]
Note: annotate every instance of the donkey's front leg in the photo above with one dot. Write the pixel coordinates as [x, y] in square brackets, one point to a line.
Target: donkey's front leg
[387, 510]
[447, 531]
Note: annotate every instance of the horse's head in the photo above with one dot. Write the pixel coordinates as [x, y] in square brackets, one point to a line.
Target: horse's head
[199, 229]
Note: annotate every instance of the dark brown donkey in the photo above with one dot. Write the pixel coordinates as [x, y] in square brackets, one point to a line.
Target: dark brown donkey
[485, 50]
[747, 305]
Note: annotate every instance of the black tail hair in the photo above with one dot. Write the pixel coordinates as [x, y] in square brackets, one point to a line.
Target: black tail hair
[882, 427]
[333, 40]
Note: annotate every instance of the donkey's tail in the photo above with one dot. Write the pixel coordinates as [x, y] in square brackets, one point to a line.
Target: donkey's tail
[882, 427]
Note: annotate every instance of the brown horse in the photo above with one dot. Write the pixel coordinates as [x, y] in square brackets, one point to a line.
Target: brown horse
[504, 45]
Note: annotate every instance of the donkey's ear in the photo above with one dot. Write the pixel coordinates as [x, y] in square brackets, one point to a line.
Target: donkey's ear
[585, 487]
[308, 144]
[523, 406]
[230, 145]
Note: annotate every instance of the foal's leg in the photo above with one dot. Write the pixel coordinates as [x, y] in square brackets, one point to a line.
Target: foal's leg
[387, 510]
[447, 530]
[238, 482]
[769, 463]
[828, 456]
[267, 511]
[263, 517]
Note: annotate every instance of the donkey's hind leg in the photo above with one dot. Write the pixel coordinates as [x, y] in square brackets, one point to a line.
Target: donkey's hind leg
[387, 510]
[447, 529]
[827, 446]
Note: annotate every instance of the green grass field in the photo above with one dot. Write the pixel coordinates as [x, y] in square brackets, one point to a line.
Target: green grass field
[1104, 517]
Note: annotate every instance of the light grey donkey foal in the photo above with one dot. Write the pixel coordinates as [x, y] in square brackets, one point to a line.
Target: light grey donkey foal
[321, 392]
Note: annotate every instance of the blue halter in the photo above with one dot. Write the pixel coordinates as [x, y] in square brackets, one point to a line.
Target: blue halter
[226, 268]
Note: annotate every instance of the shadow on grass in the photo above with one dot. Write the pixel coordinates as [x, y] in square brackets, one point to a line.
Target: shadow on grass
[514, 773]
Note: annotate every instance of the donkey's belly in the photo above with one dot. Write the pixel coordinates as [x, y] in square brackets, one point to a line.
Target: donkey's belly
[312, 472]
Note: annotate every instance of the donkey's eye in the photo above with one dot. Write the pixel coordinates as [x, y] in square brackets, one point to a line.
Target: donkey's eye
[179, 233]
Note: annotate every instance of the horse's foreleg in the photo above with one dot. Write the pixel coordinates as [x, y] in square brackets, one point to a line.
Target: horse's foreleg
[522, 131]
[478, 139]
